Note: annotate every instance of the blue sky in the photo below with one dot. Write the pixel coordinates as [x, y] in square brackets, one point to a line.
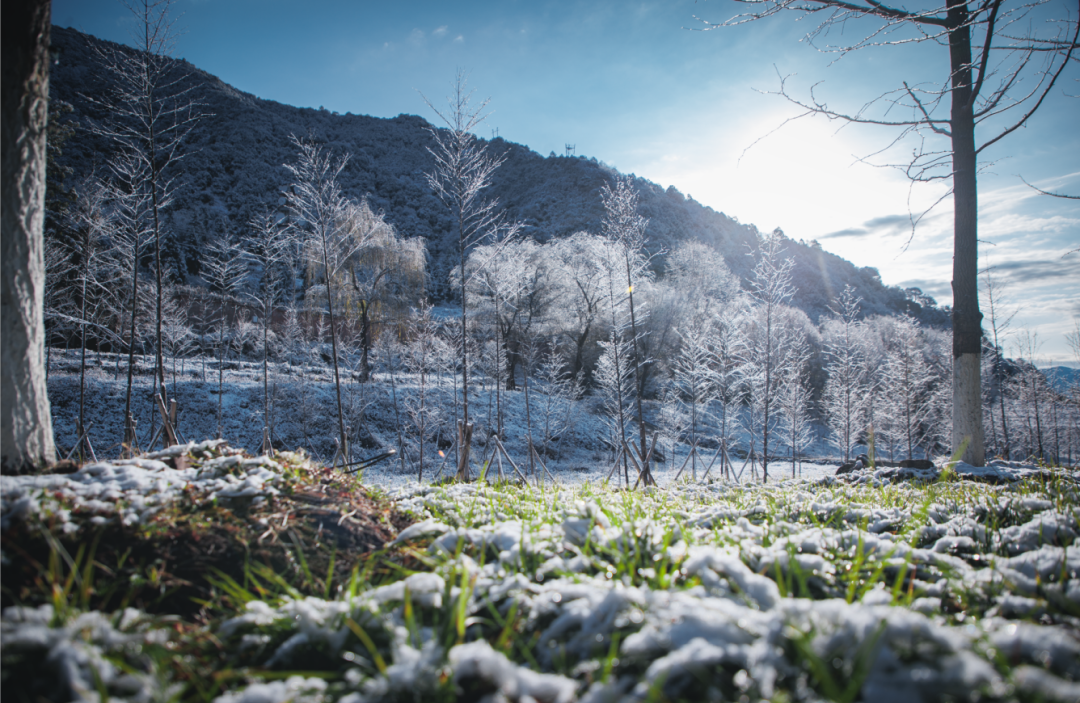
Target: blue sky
[635, 86]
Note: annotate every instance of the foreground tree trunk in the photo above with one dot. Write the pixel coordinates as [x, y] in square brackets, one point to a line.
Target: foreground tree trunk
[967, 319]
[26, 439]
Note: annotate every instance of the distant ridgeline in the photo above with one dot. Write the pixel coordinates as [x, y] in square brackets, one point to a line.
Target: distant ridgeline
[233, 169]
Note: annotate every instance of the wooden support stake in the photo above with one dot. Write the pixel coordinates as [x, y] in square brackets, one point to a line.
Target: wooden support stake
[465, 443]
[131, 438]
[648, 459]
[542, 464]
[645, 476]
[685, 461]
[615, 466]
[79, 442]
[630, 454]
[446, 457]
[713, 461]
[154, 437]
[170, 436]
[499, 444]
[93, 457]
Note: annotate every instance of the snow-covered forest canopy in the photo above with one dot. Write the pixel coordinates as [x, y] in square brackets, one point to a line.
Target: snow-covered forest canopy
[310, 249]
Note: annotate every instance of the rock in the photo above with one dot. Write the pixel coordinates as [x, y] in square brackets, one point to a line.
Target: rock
[847, 468]
[916, 464]
[858, 463]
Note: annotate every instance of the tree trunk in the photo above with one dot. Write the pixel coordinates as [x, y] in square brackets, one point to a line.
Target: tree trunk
[967, 320]
[26, 437]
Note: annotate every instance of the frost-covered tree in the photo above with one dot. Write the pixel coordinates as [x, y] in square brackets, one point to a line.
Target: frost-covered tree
[702, 280]
[694, 383]
[88, 227]
[561, 390]
[151, 111]
[672, 421]
[1031, 392]
[331, 236]
[268, 246]
[383, 279]
[225, 268]
[845, 397]
[463, 170]
[907, 385]
[176, 334]
[623, 225]
[511, 289]
[133, 235]
[794, 398]
[727, 343]
[1003, 60]
[614, 381]
[390, 351]
[771, 289]
[580, 284]
[421, 356]
[55, 301]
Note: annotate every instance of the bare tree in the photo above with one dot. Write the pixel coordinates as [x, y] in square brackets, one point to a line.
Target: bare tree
[322, 213]
[771, 289]
[225, 269]
[463, 169]
[1002, 66]
[151, 113]
[1032, 391]
[845, 393]
[907, 387]
[420, 358]
[561, 389]
[176, 333]
[615, 380]
[89, 227]
[132, 235]
[623, 225]
[26, 438]
[728, 350]
[694, 383]
[267, 247]
[793, 398]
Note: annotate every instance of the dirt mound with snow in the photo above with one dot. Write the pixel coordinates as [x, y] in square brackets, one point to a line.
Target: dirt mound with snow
[176, 524]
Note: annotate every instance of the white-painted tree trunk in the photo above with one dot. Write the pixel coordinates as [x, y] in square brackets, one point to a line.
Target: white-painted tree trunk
[967, 409]
[26, 439]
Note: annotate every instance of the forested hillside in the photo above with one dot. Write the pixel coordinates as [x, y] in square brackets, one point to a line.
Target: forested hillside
[233, 168]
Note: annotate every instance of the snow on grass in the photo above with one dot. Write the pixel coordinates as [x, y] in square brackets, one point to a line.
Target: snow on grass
[890, 589]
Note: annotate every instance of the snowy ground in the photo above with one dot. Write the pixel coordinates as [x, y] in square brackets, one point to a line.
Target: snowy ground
[304, 415]
[879, 585]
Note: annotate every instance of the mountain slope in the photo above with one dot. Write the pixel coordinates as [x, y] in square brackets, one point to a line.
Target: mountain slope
[233, 168]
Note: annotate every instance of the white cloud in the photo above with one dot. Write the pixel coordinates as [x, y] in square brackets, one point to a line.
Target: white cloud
[439, 32]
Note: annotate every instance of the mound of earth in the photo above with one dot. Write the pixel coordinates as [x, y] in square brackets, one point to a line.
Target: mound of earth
[173, 532]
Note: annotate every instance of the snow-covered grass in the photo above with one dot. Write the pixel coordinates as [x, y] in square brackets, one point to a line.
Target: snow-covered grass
[874, 586]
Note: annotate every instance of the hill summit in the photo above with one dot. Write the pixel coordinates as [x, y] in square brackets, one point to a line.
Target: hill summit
[233, 167]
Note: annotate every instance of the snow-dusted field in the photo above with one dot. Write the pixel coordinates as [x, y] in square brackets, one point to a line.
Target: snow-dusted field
[304, 415]
[874, 586]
